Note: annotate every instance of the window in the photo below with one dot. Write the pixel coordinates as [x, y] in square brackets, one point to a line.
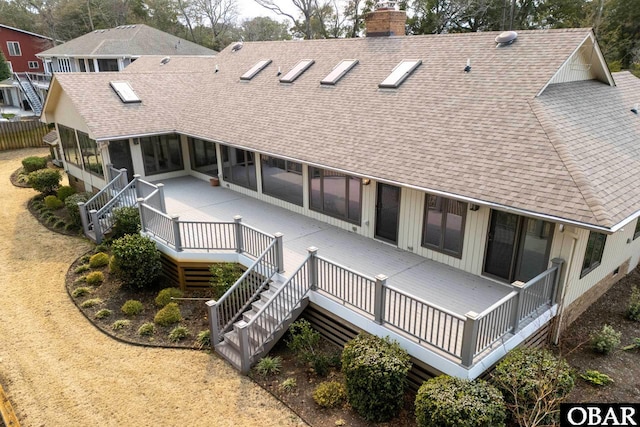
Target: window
[125, 92]
[14, 49]
[593, 254]
[82, 66]
[34, 65]
[203, 156]
[161, 153]
[238, 166]
[64, 65]
[335, 194]
[400, 74]
[108, 65]
[636, 233]
[282, 179]
[69, 145]
[296, 71]
[91, 155]
[255, 70]
[339, 71]
[443, 228]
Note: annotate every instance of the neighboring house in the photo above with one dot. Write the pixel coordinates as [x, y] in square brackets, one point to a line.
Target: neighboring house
[113, 49]
[512, 164]
[20, 48]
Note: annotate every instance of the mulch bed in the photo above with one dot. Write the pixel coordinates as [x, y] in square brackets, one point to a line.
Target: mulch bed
[14, 179]
[60, 214]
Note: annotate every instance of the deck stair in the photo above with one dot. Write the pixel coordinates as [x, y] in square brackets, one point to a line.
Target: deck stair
[29, 91]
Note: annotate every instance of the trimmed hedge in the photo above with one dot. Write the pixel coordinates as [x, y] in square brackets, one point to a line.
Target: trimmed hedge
[136, 261]
[126, 221]
[168, 315]
[52, 202]
[65, 191]
[46, 181]
[32, 164]
[165, 295]
[71, 203]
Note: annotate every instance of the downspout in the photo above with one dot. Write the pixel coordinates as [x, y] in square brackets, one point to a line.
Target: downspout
[556, 335]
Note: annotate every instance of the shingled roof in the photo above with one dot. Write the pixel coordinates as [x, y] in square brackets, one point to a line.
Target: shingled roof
[129, 40]
[482, 136]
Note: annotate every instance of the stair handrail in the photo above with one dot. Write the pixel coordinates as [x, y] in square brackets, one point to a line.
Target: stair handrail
[98, 200]
[265, 269]
[107, 208]
[36, 104]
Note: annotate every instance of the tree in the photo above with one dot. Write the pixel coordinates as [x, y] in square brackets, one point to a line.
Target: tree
[221, 16]
[5, 73]
[264, 28]
[306, 9]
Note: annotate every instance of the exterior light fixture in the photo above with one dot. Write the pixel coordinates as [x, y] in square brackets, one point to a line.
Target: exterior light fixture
[366, 181]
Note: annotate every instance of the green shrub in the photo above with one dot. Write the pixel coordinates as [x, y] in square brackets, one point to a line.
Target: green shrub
[178, 334]
[288, 385]
[165, 295]
[375, 371]
[446, 401]
[81, 291]
[65, 191]
[81, 279]
[137, 260]
[98, 260]
[633, 310]
[223, 276]
[52, 202]
[605, 340]
[147, 329]
[91, 303]
[269, 366]
[120, 324]
[596, 378]
[126, 221]
[59, 224]
[71, 203]
[132, 307]
[303, 341]
[102, 314]
[102, 247]
[84, 259]
[95, 278]
[635, 344]
[203, 339]
[45, 181]
[32, 164]
[330, 394]
[168, 315]
[533, 383]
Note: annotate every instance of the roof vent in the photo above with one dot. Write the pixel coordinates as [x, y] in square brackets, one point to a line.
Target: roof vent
[165, 60]
[635, 109]
[505, 38]
[236, 47]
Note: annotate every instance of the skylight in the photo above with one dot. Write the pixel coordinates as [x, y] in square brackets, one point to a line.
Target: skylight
[400, 73]
[255, 69]
[296, 71]
[339, 71]
[125, 92]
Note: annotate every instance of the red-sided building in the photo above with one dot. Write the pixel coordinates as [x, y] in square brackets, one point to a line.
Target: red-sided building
[20, 47]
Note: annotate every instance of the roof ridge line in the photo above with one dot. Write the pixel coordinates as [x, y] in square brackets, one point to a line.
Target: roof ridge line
[572, 167]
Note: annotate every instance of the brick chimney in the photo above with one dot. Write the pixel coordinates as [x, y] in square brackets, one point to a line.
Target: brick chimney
[385, 20]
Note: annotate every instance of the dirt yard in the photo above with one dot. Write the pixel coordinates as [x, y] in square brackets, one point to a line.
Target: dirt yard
[59, 370]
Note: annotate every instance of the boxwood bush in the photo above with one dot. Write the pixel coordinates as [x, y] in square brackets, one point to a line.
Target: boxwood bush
[165, 295]
[98, 260]
[52, 202]
[65, 191]
[329, 394]
[45, 181]
[168, 315]
[375, 371]
[446, 401]
[33, 163]
[126, 221]
[136, 260]
[71, 203]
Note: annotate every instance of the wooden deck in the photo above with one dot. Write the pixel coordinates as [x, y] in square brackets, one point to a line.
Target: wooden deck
[449, 288]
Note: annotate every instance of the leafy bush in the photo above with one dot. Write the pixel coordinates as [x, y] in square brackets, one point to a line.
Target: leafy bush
[303, 341]
[269, 366]
[98, 260]
[223, 276]
[178, 333]
[203, 339]
[147, 329]
[446, 401]
[375, 371]
[71, 203]
[288, 385]
[596, 378]
[126, 221]
[45, 181]
[605, 340]
[91, 303]
[533, 383]
[165, 295]
[102, 314]
[330, 394]
[132, 307]
[120, 324]
[102, 247]
[95, 278]
[137, 260]
[65, 191]
[32, 164]
[633, 310]
[52, 202]
[81, 291]
[168, 315]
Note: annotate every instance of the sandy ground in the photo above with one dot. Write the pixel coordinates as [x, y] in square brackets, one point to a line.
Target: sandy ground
[59, 370]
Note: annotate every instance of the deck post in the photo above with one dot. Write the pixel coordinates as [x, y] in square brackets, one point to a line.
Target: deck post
[177, 241]
[279, 252]
[558, 286]
[163, 206]
[97, 229]
[124, 180]
[136, 177]
[379, 299]
[518, 286]
[238, 220]
[313, 267]
[242, 331]
[110, 169]
[143, 226]
[83, 217]
[469, 338]
[213, 322]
